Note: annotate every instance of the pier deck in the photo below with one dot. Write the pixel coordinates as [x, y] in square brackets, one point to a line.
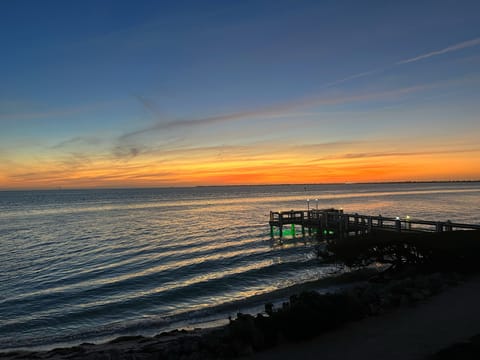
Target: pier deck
[334, 223]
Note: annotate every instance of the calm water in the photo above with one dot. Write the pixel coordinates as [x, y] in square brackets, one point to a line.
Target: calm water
[93, 264]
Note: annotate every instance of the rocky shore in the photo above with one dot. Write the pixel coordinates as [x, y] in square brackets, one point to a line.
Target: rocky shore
[304, 316]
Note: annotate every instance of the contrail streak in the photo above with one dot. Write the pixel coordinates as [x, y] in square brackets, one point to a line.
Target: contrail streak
[456, 47]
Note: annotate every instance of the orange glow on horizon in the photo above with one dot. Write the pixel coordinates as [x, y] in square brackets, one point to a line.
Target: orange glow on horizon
[261, 168]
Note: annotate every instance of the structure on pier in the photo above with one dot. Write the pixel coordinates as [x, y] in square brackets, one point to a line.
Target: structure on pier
[333, 223]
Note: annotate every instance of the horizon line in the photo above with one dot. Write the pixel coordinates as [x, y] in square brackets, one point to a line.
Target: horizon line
[245, 185]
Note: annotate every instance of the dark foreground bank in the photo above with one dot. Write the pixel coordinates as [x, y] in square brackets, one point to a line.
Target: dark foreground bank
[407, 333]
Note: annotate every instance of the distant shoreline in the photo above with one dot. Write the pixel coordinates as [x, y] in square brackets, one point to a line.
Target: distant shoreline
[247, 185]
[339, 183]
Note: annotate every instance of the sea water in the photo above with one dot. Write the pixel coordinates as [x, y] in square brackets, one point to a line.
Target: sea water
[90, 265]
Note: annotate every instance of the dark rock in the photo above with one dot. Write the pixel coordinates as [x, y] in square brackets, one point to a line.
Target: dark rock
[126, 338]
[417, 296]
[269, 308]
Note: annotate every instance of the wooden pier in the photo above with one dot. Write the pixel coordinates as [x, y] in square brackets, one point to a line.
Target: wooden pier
[333, 223]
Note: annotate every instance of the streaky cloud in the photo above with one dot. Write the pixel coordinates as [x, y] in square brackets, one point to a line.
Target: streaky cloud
[77, 140]
[355, 76]
[170, 124]
[364, 155]
[128, 151]
[456, 47]
[283, 108]
[147, 103]
[280, 109]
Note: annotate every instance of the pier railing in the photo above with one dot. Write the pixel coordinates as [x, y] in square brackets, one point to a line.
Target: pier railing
[333, 221]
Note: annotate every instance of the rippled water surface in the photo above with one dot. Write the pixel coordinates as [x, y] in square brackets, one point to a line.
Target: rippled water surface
[91, 264]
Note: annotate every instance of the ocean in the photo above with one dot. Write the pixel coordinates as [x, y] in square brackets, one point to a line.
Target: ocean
[91, 265]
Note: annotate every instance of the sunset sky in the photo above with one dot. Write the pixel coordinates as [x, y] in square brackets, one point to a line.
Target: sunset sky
[97, 93]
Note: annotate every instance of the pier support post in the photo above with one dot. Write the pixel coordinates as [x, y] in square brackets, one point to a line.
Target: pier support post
[448, 226]
[356, 224]
[340, 226]
[439, 227]
[271, 231]
[346, 220]
[398, 225]
[303, 223]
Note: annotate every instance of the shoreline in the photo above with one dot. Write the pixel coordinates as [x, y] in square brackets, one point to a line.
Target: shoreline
[466, 181]
[210, 343]
[255, 303]
[312, 310]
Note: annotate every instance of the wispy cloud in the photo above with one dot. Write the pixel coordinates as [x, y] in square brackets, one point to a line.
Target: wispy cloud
[76, 141]
[278, 110]
[452, 48]
[128, 151]
[147, 104]
[456, 47]
[362, 155]
[355, 76]
[125, 147]
[81, 170]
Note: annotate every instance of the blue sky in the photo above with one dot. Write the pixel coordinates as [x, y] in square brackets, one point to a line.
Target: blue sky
[138, 83]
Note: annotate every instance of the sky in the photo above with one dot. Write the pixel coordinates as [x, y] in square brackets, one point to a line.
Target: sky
[112, 93]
